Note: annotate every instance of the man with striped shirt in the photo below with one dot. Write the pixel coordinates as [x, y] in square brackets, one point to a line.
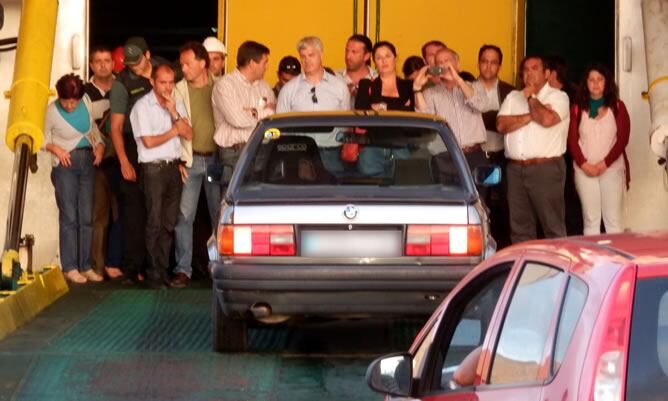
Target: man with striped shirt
[240, 99]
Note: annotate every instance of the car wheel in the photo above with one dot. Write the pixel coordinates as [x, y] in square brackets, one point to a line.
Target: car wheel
[228, 335]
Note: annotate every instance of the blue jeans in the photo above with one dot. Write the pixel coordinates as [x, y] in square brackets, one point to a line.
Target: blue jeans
[188, 208]
[75, 188]
[375, 161]
[331, 159]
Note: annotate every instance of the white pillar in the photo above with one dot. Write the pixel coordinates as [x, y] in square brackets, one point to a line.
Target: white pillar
[655, 21]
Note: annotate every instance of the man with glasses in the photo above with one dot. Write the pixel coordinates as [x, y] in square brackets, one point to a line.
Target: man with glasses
[316, 90]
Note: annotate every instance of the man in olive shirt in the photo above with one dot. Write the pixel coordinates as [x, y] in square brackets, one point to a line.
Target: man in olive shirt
[195, 91]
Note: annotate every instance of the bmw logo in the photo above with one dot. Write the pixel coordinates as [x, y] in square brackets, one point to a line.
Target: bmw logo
[350, 212]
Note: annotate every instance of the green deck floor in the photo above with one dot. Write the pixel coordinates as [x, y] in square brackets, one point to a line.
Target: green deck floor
[126, 344]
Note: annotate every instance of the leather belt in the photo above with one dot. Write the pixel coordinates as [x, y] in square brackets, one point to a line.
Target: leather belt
[537, 160]
[237, 146]
[162, 162]
[472, 148]
[203, 154]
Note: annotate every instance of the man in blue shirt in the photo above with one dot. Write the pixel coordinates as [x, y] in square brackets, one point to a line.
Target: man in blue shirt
[158, 121]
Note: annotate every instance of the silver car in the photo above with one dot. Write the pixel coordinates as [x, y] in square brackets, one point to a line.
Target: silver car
[345, 215]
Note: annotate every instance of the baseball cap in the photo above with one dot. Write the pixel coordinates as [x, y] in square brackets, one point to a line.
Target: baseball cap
[290, 65]
[212, 44]
[134, 48]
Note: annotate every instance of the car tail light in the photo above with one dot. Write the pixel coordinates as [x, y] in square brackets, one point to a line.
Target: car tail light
[256, 240]
[610, 369]
[443, 240]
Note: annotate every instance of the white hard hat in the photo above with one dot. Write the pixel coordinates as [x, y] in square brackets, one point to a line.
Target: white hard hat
[212, 44]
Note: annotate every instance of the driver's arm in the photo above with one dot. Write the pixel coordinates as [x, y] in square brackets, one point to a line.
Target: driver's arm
[465, 373]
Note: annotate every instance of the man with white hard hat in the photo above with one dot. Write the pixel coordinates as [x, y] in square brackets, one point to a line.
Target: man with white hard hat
[217, 53]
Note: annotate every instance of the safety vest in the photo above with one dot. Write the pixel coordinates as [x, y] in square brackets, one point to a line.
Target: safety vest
[137, 87]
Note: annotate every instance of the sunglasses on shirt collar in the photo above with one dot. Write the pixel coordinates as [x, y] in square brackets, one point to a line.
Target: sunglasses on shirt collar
[314, 98]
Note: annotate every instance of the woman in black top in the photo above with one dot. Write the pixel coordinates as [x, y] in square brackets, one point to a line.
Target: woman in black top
[388, 91]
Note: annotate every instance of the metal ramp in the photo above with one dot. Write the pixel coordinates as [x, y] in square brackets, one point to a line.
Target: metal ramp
[109, 342]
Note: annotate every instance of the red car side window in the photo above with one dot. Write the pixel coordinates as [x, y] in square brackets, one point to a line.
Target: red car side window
[574, 301]
[521, 344]
[467, 322]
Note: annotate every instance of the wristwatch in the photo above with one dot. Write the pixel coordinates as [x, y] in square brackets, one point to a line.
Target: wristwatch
[531, 96]
[177, 118]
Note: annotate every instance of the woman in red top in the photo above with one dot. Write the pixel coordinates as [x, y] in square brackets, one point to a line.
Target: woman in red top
[597, 136]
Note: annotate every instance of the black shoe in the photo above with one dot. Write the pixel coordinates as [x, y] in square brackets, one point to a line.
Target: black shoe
[156, 283]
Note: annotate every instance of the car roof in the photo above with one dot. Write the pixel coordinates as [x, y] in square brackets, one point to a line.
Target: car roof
[639, 248]
[365, 114]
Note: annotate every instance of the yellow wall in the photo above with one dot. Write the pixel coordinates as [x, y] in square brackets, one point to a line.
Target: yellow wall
[279, 25]
[463, 26]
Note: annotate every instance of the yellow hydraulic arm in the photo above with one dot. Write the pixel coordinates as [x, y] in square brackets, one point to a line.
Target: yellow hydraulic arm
[28, 95]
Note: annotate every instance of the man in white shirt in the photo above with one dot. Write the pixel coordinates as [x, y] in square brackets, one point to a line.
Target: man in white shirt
[535, 124]
[158, 122]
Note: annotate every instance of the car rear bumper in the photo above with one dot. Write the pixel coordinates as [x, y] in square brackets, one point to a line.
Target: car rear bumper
[333, 290]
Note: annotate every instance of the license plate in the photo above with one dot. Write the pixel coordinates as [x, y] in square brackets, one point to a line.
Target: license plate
[359, 243]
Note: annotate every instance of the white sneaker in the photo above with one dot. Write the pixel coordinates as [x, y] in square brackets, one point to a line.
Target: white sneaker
[73, 276]
[90, 275]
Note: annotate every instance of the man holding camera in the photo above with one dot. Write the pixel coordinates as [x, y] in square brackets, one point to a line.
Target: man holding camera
[456, 101]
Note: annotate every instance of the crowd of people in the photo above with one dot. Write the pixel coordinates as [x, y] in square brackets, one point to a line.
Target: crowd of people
[131, 147]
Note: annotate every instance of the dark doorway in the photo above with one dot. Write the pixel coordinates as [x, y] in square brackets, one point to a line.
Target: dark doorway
[579, 31]
[166, 26]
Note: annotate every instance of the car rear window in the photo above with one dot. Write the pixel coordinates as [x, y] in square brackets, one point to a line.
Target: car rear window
[647, 372]
[394, 158]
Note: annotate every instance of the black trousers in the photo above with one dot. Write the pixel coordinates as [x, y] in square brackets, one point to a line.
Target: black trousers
[497, 201]
[133, 219]
[475, 159]
[162, 190]
[536, 191]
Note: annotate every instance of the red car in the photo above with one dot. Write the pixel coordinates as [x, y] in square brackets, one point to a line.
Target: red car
[583, 318]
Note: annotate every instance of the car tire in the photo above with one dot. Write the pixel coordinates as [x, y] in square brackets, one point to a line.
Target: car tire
[228, 335]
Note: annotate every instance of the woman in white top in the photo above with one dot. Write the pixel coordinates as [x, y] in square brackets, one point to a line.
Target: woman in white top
[74, 141]
[598, 134]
